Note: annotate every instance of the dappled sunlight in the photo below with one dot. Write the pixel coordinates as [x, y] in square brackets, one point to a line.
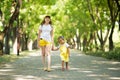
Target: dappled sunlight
[114, 78]
[81, 67]
[116, 69]
[115, 63]
[74, 69]
[85, 71]
[54, 76]
[105, 62]
[97, 75]
[56, 66]
[5, 70]
[26, 77]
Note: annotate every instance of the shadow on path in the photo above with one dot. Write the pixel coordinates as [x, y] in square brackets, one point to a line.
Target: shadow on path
[82, 67]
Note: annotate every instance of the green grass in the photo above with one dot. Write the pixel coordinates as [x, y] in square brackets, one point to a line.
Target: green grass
[112, 55]
[7, 58]
[12, 57]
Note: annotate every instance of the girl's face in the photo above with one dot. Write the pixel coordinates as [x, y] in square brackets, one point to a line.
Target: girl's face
[61, 41]
[47, 20]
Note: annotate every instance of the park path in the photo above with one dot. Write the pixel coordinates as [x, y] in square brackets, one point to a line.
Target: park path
[82, 67]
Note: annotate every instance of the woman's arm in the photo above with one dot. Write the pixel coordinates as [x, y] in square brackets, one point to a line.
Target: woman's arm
[52, 34]
[52, 37]
[39, 32]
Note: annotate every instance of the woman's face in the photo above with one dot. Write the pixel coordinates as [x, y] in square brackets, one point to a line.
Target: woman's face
[47, 20]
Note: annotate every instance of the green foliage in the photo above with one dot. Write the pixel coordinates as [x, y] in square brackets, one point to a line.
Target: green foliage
[112, 55]
[13, 57]
[115, 54]
[67, 16]
[5, 6]
[44, 2]
[7, 58]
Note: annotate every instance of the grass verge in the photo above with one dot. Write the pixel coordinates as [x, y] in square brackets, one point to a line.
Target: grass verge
[112, 55]
[12, 57]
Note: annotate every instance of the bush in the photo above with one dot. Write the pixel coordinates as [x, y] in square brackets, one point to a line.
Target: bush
[113, 55]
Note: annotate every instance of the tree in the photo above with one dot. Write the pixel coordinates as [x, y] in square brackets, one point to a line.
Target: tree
[114, 8]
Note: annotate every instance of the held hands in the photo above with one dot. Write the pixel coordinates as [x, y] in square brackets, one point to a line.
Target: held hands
[53, 47]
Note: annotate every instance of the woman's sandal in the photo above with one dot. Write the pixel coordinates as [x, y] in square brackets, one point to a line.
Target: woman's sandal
[45, 69]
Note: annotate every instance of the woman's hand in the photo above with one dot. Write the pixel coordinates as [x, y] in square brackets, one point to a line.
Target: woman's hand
[38, 45]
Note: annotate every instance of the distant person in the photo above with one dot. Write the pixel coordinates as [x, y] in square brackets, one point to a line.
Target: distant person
[64, 51]
[45, 41]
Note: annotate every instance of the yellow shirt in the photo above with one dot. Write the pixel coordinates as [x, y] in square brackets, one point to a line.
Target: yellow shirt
[64, 52]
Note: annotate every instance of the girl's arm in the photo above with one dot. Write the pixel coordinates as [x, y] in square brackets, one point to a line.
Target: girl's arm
[55, 48]
[68, 49]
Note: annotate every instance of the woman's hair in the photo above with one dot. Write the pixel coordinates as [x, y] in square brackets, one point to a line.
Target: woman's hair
[43, 22]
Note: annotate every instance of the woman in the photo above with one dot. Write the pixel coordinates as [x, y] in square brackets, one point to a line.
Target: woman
[45, 40]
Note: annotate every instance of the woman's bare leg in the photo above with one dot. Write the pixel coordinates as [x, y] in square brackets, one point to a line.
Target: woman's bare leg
[48, 50]
[43, 56]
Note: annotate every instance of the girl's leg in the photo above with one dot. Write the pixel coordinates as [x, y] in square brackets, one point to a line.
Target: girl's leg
[62, 65]
[43, 56]
[66, 65]
[48, 50]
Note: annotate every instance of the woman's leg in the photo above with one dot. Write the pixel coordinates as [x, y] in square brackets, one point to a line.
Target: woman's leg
[47, 51]
[43, 56]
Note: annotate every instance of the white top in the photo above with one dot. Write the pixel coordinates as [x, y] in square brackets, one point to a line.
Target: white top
[45, 34]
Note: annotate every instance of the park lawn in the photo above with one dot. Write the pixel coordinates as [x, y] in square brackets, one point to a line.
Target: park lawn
[12, 57]
[7, 58]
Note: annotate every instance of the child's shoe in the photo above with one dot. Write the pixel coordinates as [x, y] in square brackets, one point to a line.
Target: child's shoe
[63, 69]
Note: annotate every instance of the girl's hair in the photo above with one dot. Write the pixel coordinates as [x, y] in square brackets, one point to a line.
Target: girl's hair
[60, 37]
[43, 22]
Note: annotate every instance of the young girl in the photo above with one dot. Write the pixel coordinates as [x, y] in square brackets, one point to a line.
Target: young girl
[64, 51]
[45, 39]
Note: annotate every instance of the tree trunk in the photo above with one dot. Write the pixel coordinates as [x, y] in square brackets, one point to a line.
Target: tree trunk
[111, 46]
[1, 43]
[113, 14]
[7, 45]
[119, 21]
[96, 44]
[24, 42]
[14, 17]
[85, 43]
[78, 42]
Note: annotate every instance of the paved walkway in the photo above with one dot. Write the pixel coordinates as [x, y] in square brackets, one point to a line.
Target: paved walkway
[82, 67]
